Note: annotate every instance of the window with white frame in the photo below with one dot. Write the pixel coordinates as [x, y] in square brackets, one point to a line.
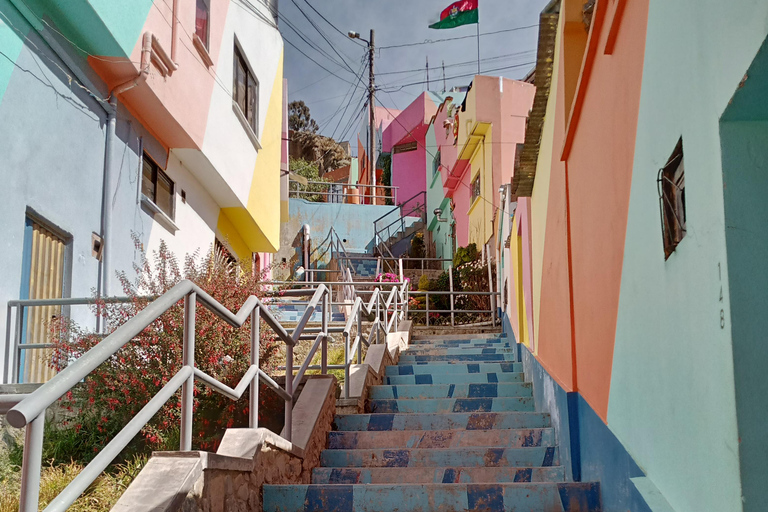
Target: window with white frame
[157, 186]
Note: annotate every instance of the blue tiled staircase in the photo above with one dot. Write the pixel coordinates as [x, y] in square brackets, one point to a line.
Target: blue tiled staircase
[292, 313]
[452, 428]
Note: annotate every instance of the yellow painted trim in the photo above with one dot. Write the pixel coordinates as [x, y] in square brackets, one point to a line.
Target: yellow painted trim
[227, 231]
[258, 225]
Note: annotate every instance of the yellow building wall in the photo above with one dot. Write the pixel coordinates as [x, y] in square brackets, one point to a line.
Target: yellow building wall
[540, 195]
[481, 225]
[257, 227]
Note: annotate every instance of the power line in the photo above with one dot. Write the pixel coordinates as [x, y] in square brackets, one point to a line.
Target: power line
[332, 25]
[460, 64]
[465, 75]
[317, 63]
[322, 34]
[433, 41]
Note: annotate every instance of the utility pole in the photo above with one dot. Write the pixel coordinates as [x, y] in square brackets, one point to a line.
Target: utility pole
[427, 72]
[372, 106]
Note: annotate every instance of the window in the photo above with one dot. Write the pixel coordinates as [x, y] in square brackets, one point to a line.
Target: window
[475, 189]
[202, 21]
[157, 186]
[405, 148]
[436, 164]
[671, 187]
[245, 90]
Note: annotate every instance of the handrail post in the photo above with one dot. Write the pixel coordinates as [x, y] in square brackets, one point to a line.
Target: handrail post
[360, 334]
[188, 358]
[400, 265]
[396, 309]
[427, 301]
[324, 353]
[6, 367]
[378, 316]
[31, 465]
[253, 397]
[17, 344]
[450, 283]
[346, 365]
[288, 389]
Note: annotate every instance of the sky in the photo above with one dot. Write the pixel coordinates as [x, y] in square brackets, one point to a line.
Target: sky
[334, 94]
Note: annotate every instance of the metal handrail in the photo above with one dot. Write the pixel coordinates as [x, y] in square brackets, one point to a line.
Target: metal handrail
[29, 411]
[453, 294]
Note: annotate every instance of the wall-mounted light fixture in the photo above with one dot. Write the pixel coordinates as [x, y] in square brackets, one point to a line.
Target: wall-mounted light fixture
[438, 212]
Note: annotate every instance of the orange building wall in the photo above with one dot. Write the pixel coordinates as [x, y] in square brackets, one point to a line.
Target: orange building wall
[554, 328]
[600, 173]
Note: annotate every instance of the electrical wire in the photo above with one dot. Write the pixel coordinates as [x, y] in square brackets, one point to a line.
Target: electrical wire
[433, 41]
[459, 64]
[461, 76]
[332, 25]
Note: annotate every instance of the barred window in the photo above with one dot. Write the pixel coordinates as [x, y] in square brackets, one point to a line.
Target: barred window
[671, 188]
[475, 189]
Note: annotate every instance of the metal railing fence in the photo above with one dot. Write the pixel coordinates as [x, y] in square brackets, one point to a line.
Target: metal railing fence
[331, 192]
[28, 411]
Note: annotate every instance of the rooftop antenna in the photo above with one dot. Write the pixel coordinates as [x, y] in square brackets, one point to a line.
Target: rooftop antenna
[427, 72]
[444, 89]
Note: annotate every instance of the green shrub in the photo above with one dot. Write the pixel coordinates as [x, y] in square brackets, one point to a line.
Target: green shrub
[425, 283]
[465, 255]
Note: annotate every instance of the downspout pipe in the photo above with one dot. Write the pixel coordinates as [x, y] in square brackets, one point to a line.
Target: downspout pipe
[307, 232]
[146, 55]
[106, 206]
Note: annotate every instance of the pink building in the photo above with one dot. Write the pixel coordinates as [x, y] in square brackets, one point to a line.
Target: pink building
[405, 138]
[489, 131]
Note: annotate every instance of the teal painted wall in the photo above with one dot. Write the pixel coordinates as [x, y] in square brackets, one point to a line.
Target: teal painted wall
[100, 27]
[441, 231]
[745, 173]
[673, 399]
[13, 30]
[744, 145]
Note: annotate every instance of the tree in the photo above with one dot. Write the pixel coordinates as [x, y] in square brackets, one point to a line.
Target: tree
[299, 118]
[311, 172]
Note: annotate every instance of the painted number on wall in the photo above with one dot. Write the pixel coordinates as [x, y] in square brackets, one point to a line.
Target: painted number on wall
[720, 280]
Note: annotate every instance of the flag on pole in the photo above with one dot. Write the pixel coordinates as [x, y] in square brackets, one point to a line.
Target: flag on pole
[463, 12]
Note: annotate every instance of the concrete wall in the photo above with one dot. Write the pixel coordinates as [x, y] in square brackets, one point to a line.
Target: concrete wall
[353, 223]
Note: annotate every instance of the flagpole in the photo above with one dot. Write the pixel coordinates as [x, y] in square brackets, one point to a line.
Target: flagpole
[478, 42]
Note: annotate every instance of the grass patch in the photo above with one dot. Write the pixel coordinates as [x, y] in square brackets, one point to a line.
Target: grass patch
[100, 495]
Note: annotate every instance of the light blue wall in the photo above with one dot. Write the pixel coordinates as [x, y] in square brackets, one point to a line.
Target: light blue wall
[672, 401]
[353, 223]
[52, 142]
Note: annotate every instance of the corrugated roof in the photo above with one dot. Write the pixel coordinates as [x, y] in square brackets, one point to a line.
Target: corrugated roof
[522, 183]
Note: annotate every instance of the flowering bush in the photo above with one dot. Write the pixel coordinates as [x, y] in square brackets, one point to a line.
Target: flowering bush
[389, 277]
[113, 394]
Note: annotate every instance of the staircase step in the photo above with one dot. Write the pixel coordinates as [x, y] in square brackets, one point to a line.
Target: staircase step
[442, 344]
[459, 351]
[446, 457]
[431, 421]
[477, 390]
[518, 438]
[447, 405]
[454, 378]
[436, 475]
[406, 358]
[507, 497]
[459, 367]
